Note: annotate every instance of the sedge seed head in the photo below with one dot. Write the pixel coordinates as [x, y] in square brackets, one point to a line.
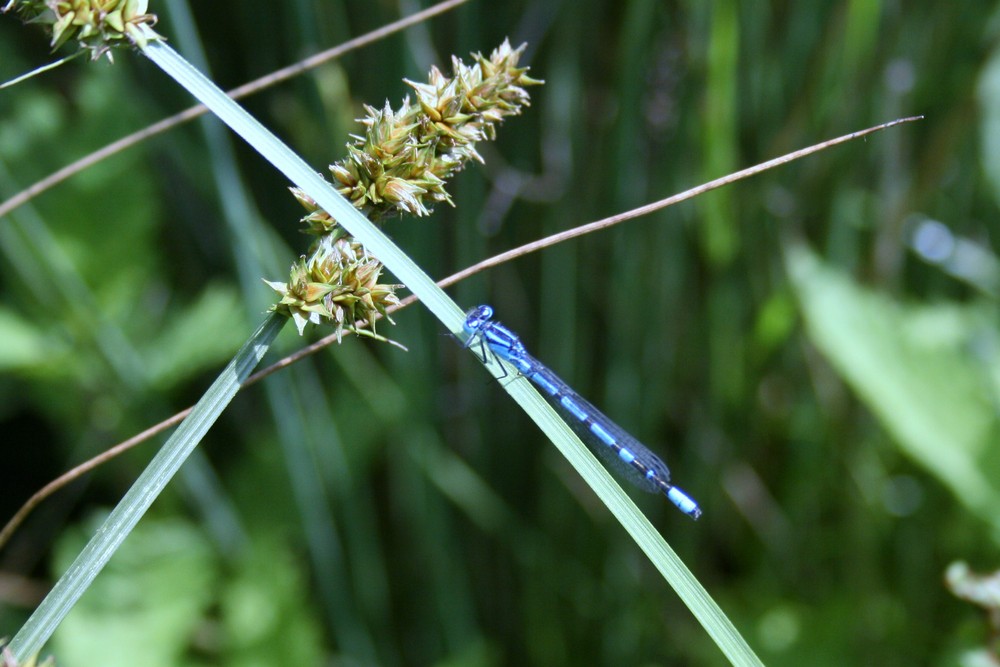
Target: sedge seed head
[98, 26]
[398, 166]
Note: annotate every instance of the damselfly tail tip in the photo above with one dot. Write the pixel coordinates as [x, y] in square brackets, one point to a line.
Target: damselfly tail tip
[684, 502]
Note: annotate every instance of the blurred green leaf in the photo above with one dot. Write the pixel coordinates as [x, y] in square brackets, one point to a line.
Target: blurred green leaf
[197, 337]
[154, 604]
[989, 103]
[148, 604]
[719, 227]
[263, 616]
[23, 345]
[916, 368]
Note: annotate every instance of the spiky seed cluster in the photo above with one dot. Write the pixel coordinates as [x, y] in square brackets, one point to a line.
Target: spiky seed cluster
[399, 166]
[337, 283]
[98, 25]
[402, 161]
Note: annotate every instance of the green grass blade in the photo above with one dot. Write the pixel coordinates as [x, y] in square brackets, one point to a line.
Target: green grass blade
[673, 569]
[301, 174]
[43, 622]
[305, 177]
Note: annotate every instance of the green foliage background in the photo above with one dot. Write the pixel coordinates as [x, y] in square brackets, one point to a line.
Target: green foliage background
[826, 395]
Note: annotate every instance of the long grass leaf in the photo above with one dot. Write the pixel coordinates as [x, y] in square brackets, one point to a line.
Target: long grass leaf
[305, 177]
[673, 569]
[301, 174]
[147, 488]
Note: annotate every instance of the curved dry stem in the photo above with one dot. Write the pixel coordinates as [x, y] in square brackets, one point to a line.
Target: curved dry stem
[534, 246]
[85, 467]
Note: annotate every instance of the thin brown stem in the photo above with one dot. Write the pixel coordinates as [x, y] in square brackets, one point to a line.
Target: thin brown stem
[534, 246]
[83, 468]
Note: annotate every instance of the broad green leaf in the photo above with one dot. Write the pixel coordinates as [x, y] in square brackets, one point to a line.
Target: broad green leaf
[915, 367]
[149, 602]
[23, 344]
[264, 619]
[197, 338]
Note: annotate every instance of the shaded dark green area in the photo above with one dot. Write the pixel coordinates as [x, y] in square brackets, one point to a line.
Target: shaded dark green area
[826, 394]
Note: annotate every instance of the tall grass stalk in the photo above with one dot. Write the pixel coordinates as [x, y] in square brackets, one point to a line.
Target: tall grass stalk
[72, 585]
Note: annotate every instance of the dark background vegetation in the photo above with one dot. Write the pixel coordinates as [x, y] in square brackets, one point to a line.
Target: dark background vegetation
[371, 506]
